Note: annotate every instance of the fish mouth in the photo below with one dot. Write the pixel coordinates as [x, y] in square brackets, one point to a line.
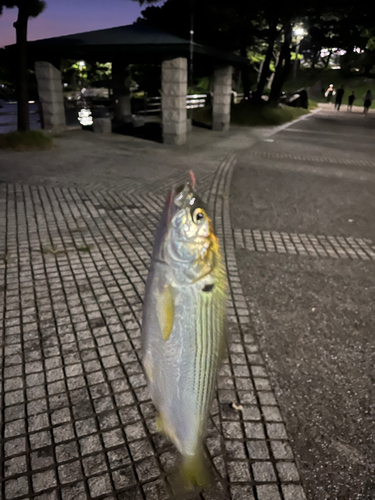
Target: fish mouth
[183, 195]
[170, 204]
[179, 198]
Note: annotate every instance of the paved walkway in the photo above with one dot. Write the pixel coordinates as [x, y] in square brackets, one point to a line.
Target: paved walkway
[75, 243]
[75, 247]
[302, 212]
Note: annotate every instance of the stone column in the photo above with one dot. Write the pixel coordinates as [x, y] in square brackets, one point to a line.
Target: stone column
[50, 95]
[173, 100]
[222, 98]
[121, 80]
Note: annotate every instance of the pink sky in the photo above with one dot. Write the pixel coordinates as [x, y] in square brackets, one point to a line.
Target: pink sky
[65, 17]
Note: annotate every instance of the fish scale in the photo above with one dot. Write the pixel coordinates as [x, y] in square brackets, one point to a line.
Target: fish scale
[205, 367]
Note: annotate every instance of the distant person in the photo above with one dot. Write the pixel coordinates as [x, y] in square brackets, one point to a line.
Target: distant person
[339, 95]
[329, 93]
[367, 101]
[351, 99]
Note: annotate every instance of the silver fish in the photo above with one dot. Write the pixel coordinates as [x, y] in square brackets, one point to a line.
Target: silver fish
[183, 324]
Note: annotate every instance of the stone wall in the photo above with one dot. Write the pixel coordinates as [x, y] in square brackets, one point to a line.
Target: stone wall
[173, 101]
[222, 98]
[50, 95]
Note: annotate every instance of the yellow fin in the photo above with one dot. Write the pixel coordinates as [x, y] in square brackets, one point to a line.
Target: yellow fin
[159, 424]
[163, 429]
[148, 368]
[194, 471]
[165, 311]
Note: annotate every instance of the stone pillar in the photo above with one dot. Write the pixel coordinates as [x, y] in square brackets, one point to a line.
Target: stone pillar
[173, 100]
[222, 98]
[50, 95]
[121, 81]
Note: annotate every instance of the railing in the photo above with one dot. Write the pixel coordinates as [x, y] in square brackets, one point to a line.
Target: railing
[196, 101]
[153, 104]
[8, 116]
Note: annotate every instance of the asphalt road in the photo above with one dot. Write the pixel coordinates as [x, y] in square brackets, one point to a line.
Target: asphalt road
[314, 316]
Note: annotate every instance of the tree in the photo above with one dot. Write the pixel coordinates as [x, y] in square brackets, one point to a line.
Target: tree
[271, 38]
[283, 64]
[216, 23]
[348, 27]
[267, 28]
[26, 9]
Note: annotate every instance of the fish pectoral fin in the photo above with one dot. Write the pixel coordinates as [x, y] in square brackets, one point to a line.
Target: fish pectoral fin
[165, 311]
[148, 368]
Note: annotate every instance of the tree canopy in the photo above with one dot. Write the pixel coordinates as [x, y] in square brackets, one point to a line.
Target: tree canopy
[30, 7]
[267, 27]
[26, 9]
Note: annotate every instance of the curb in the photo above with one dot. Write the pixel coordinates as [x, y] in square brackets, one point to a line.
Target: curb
[300, 118]
[268, 454]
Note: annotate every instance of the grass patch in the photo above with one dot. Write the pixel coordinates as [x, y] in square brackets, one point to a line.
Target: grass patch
[84, 248]
[33, 140]
[51, 249]
[250, 115]
[312, 105]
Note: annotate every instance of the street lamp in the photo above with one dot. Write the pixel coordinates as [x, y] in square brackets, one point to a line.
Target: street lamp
[299, 33]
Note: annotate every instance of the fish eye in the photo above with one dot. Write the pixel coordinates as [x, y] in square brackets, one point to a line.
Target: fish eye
[198, 216]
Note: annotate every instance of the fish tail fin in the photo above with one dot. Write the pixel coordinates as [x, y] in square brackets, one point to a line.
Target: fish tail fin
[194, 471]
[159, 424]
[163, 429]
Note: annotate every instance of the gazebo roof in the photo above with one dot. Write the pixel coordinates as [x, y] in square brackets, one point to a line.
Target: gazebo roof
[135, 43]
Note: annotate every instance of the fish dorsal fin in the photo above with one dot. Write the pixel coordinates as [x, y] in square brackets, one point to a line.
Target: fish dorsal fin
[165, 310]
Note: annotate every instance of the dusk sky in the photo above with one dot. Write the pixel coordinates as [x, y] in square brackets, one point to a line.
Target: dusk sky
[65, 17]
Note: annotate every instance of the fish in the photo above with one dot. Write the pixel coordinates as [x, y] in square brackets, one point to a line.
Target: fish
[184, 325]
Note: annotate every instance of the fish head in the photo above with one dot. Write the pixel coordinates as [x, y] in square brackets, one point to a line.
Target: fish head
[191, 233]
[185, 238]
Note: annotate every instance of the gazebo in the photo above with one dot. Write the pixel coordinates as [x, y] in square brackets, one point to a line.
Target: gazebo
[136, 43]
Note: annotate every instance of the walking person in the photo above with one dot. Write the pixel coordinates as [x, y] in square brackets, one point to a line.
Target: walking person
[351, 99]
[339, 95]
[367, 101]
[329, 93]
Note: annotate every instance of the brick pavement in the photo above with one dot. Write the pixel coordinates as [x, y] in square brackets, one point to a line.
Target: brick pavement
[77, 420]
[336, 247]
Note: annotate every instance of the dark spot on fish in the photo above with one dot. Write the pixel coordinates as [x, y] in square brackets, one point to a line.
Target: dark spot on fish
[208, 288]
